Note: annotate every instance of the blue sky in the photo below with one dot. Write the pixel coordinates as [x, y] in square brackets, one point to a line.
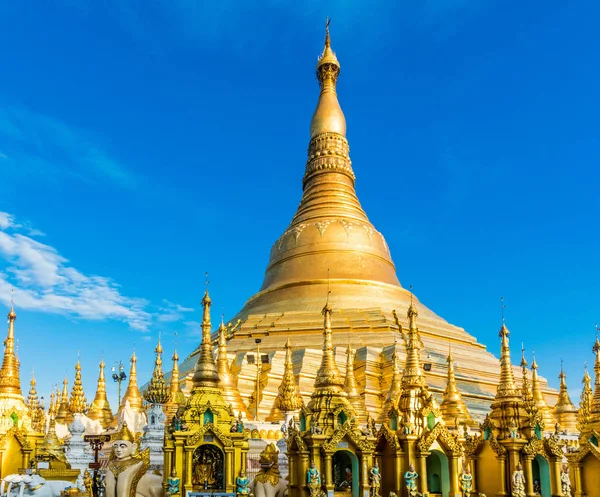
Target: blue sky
[145, 143]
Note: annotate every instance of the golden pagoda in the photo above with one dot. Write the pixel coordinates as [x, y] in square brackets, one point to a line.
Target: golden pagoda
[100, 407]
[508, 416]
[596, 397]
[212, 450]
[330, 233]
[565, 412]
[176, 395]
[77, 402]
[288, 401]
[228, 382]
[329, 436]
[542, 407]
[158, 391]
[526, 388]
[415, 435]
[585, 404]
[132, 394]
[454, 410]
[351, 387]
[34, 408]
[584, 462]
[20, 422]
[10, 383]
[62, 411]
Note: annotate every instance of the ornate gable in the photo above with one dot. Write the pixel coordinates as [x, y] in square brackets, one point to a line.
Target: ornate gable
[441, 433]
[198, 435]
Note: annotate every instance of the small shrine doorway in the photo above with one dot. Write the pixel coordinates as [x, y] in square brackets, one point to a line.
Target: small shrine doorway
[345, 473]
[207, 468]
[541, 476]
[438, 478]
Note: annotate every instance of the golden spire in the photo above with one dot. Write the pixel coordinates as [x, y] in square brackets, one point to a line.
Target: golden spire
[564, 410]
[77, 403]
[328, 374]
[34, 408]
[100, 407]
[596, 398]
[526, 391]
[538, 397]
[288, 398]
[10, 383]
[328, 396]
[157, 392]
[176, 396]
[507, 386]
[227, 382]
[328, 116]
[454, 410]
[206, 373]
[395, 389]
[351, 387]
[52, 406]
[132, 394]
[585, 404]
[413, 376]
[62, 412]
[32, 399]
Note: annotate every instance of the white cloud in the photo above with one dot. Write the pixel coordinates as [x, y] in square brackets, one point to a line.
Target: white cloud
[170, 312]
[44, 281]
[6, 220]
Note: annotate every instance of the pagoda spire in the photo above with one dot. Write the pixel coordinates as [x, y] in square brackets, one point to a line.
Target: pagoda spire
[176, 396]
[328, 396]
[34, 408]
[227, 382]
[453, 407]
[351, 387]
[206, 374]
[526, 391]
[328, 374]
[415, 394]
[10, 383]
[158, 391]
[132, 394]
[393, 394]
[596, 398]
[288, 398]
[538, 397]
[328, 116]
[564, 410]
[507, 386]
[100, 407]
[509, 415]
[62, 411]
[413, 376]
[77, 402]
[585, 404]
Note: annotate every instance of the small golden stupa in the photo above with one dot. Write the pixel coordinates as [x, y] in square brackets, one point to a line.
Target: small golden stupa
[100, 408]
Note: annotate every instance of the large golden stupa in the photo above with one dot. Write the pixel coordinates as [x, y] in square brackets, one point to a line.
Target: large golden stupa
[332, 248]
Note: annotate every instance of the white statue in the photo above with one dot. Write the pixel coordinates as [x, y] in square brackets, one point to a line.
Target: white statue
[33, 485]
[127, 465]
[136, 421]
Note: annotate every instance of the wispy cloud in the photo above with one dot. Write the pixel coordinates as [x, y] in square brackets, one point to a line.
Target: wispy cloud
[170, 312]
[45, 281]
[44, 147]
